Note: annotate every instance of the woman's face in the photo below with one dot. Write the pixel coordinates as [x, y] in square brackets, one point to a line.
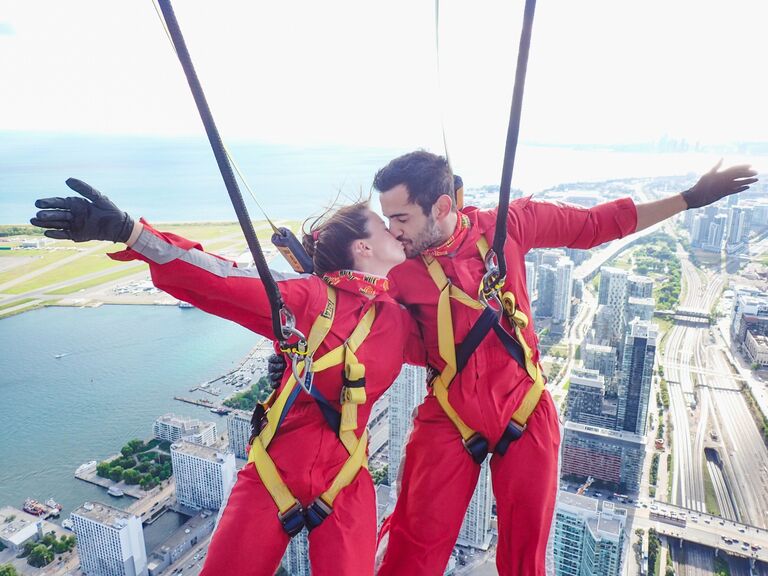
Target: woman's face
[386, 250]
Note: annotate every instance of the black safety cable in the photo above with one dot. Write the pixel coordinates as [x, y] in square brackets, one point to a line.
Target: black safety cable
[275, 299]
[512, 133]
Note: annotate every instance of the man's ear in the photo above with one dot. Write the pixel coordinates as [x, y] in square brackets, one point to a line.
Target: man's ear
[442, 207]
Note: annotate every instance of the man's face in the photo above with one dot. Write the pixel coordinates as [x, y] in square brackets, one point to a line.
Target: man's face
[407, 221]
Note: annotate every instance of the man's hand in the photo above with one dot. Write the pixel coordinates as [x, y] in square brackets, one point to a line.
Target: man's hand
[94, 217]
[715, 185]
[276, 365]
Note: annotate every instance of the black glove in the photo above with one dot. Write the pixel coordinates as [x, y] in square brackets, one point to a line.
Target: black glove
[715, 185]
[276, 365]
[81, 220]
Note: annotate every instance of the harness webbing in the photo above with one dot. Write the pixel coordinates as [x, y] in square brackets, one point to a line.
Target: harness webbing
[456, 360]
[275, 299]
[347, 424]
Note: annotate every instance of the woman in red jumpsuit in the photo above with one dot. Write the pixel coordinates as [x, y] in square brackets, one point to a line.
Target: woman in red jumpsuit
[353, 251]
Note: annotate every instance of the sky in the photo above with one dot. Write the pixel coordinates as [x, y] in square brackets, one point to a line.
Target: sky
[365, 73]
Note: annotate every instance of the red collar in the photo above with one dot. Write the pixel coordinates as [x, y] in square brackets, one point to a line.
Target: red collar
[357, 282]
[453, 242]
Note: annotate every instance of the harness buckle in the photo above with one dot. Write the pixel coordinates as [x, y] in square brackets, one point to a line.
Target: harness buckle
[297, 351]
[316, 512]
[512, 433]
[293, 519]
[477, 447]
[492, 282]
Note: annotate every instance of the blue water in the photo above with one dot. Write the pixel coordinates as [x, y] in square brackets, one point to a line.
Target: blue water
[123, 366]
[177, 179]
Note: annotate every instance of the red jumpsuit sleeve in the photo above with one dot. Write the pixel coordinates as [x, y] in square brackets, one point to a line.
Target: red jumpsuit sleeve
[537, 224]
[214, 284]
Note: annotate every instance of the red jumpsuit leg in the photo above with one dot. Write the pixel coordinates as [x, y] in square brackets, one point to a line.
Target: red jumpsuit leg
[438, 480]
[525, 485]
[345, 543]
[249, 540]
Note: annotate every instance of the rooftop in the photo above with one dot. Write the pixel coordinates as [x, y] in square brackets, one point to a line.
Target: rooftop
[103, 514]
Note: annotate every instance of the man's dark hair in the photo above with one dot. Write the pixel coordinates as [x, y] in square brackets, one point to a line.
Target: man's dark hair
[427, 177]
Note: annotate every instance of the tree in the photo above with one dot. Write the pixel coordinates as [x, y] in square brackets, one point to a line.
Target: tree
[103, 469]
[131, 476]
[8, 570]
[40, 556]
[116, 473]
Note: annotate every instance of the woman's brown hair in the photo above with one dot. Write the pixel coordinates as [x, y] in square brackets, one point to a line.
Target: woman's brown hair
[328, 240]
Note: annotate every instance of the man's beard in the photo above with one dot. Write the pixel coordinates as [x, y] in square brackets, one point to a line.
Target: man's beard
[429, 236]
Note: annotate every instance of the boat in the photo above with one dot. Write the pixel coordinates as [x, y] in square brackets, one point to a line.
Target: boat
[85, 466]
[38, 508]
[67, 524]
[58, 356]
[51, 503]
[221, 410]
[183, 304]
[115, 491]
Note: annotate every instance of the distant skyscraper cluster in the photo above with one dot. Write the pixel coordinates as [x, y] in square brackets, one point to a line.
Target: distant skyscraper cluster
[550, 283]
[609, 393]
[726, 225]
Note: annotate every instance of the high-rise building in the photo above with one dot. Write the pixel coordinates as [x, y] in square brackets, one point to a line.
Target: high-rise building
[476, 528]
[613, 293]
[110, 541]
[405, 394]
[603, 323]
[530, 279]
[738, 229]
[636, 374]
[239, 432]
[611, 456]
[378, 427]
[561, 305]
[588, 540]
[547, 278]
[171, 428]
[586, 393]
[296, 558]
[600, 358]
[204, 476]
[639, 286]
[641, 308]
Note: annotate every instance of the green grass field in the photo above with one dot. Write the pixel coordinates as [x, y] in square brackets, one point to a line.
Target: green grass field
[90, 257]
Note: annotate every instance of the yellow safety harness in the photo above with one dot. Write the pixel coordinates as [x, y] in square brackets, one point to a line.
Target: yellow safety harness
[473, 441]
[290, 511]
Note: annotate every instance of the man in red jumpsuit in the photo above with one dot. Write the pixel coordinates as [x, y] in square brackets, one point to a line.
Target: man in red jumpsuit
[438, 476]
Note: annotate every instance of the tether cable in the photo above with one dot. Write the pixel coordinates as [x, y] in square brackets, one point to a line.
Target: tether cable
[513, 131]
[273, 293]
[231, 158]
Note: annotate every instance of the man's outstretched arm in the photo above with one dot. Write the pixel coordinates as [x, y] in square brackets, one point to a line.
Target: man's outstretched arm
[710, 188]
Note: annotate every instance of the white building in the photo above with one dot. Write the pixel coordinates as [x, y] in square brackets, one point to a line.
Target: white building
[378, 427]
[296, 558]
[530, 279]
[639, 286]
[476, 528]
[239, 432]
[17, 526]
[204, 476]
[613, 293]
[110, 541]
[172, 428]
[588, 541]
[561, 306]
[406, 393]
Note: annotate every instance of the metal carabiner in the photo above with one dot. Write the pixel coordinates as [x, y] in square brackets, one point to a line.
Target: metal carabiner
[491, 284]
[297, 352]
